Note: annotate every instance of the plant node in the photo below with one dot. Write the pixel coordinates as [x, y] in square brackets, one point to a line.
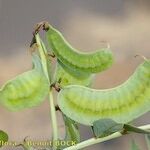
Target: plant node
[56, 87]
[51, 55]
[57, 108]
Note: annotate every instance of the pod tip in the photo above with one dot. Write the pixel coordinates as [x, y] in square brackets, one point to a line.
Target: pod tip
[142, 56]
[44, 25]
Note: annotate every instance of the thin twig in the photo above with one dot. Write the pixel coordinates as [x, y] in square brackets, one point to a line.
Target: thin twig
[93, 141]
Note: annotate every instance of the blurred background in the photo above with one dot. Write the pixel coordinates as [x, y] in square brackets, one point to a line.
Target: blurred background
[124, 24]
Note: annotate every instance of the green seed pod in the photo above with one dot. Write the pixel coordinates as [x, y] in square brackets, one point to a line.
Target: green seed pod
[92, 62]
[26, 90]
[46, 63]
[121, 104]
[66, 76]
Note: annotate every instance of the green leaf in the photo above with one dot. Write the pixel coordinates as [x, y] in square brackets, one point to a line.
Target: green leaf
[147, 138]
[26, 90]
[72, 133]
[130, 128]
[105, 127]
[3, 138]
[134, 146]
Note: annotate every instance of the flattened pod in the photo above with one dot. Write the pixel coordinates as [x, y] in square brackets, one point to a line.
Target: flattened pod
[89, 62]
[122, 104]
[26, 90]
[43, 54]
[67, 76]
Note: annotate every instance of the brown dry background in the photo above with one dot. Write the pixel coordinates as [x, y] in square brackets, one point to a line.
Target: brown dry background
[125, 24]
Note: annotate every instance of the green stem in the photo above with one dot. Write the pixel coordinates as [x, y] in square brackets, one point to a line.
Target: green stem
[43, 52]
[100, 140]
[53, 119]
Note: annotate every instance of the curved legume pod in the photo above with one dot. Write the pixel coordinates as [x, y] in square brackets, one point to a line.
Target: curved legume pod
[46, 63]
[122, 103]
[91, 62]
[26, 90]
[66, 76]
